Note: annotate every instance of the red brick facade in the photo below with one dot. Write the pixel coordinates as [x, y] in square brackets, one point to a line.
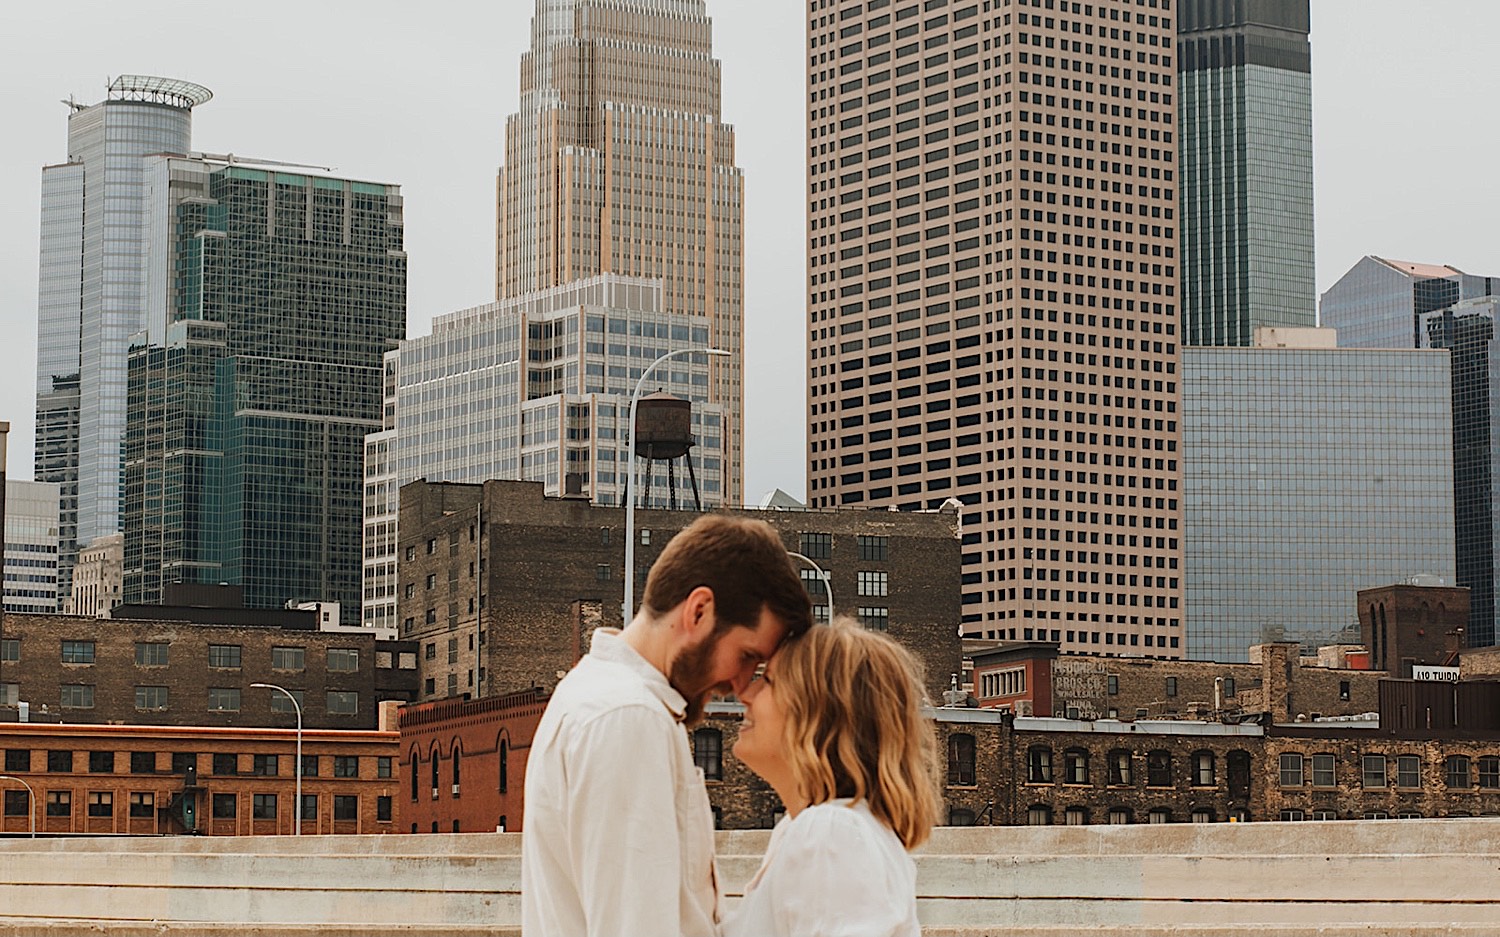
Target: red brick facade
[133, 779]
[465, 762]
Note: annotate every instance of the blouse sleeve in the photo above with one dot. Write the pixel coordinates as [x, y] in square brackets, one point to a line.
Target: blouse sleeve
[834, 878]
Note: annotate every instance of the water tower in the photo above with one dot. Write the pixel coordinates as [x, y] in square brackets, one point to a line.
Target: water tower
[664, 431]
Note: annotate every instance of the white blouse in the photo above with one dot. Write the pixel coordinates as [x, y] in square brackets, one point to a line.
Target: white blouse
[831, 871]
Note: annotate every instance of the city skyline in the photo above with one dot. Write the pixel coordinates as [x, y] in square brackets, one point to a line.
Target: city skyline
[1362, 117]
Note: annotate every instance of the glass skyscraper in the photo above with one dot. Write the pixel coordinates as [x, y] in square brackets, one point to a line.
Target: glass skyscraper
[1380, 302]
[257, 379]
[1245, 111]
[1384, 303]
[31, 546]
[1311, 473]
[537, 388]
[618, 161]
[94, 245]
[1467, 330]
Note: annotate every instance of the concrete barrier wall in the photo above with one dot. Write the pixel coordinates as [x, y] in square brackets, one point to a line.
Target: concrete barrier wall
[1336, 879]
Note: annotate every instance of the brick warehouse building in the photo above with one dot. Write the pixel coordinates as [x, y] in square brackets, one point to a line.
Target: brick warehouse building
[141, 672]
[133, 779]
[465, 762]
[502, 586]
[1006, 770]
[1032, 679]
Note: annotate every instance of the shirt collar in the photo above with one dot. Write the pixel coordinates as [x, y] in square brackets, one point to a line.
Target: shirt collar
[608, 645]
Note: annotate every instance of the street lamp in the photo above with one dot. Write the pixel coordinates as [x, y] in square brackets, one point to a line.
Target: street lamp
[31, 811]
[297, 806]
[822, 574]
[630, 493]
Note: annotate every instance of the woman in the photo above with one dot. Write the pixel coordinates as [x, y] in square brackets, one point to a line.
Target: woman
[835, 725]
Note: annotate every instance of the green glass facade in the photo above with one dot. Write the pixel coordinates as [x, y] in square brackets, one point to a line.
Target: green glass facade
[1245, 109]
[249, 400]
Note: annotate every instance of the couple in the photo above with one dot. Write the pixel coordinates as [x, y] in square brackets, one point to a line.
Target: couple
[619, 833]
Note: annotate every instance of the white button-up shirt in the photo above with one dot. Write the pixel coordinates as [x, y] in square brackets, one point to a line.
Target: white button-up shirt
[832, 871]
[618, 837]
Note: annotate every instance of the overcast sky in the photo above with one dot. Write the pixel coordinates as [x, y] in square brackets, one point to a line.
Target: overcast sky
[417, 94]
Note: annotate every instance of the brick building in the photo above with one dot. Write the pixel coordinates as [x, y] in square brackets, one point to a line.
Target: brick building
[502, 585]
[152, 780]
[1407, 626]
[1032, 679]
[465, 762]
[175, 672]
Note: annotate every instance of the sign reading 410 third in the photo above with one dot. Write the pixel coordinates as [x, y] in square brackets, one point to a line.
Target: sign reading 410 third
[1448, 674]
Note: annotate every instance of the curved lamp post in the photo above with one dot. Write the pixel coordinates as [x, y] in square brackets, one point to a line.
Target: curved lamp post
[823, 575]
[31, 812]
[635, 398]
[297, 765]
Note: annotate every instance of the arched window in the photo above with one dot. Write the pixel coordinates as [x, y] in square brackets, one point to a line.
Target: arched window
[1039, 815]
[1076, 816]
[436, 772]
[1374, 638]
[1459, 774]
[1203, 815]
[1039, 765]
[416, 761]
[1160, 815]
[1385, 638]
[1076, 766]
[1237, 766]
[458, 754]
[960, 816]
[961, 759]
[1205, 771]
[1489, 772]
[1159, 769]
[708, 753]
[504, 765]
[1120, 815]
[1120, 773]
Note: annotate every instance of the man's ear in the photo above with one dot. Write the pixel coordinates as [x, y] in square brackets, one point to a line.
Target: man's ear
[697, 619]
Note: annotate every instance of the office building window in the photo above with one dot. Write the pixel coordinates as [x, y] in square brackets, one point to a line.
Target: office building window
[101, 762]
[143, 762]
[1408, 771]
[816, 546]
[1460, 775]
[265, 765]
[59, 803]
[875, 617]
[263, 807]
[78, 652]
[224, 699]
[1291, 769]
[288, 658]
[1324, 765]
[281, 704]
[1374, 771]
[101, 804]
[152, 654]
[225, 806]
[142, 805]
[150, 698]
[343, 659]
[59, 762]
[345, 807]
[343, 703]
[224, 656]
[873, 549]
[226, 764]
[346, 766]
[77, 695]
[873, 582]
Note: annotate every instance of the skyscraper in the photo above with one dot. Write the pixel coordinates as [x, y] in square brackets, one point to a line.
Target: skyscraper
[1379, 303]
[1383, 303]
[90, 300]
[1467, 330]
[993, 316]
[618, 162]
[30, 547]
[1245, 102]
[273, 297]
[1312, 472]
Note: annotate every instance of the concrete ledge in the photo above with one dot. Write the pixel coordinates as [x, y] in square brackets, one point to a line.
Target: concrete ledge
[1410, 878]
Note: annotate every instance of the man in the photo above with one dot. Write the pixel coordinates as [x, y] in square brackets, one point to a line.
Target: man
[619, 833]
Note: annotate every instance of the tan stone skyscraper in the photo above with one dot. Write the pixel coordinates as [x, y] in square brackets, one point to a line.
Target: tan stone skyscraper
[618, 162]
[993, 236]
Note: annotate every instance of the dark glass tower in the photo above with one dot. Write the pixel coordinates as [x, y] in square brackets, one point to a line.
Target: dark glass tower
[250, 396]
[1245, 108]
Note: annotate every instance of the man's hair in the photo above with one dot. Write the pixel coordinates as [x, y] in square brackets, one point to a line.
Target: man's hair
[854, 725]
[745, 565]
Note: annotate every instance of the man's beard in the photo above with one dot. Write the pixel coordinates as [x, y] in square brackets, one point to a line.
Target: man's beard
[688, 676]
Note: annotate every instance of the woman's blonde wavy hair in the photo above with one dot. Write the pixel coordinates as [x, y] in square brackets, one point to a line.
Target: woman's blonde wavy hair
[854, 725]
